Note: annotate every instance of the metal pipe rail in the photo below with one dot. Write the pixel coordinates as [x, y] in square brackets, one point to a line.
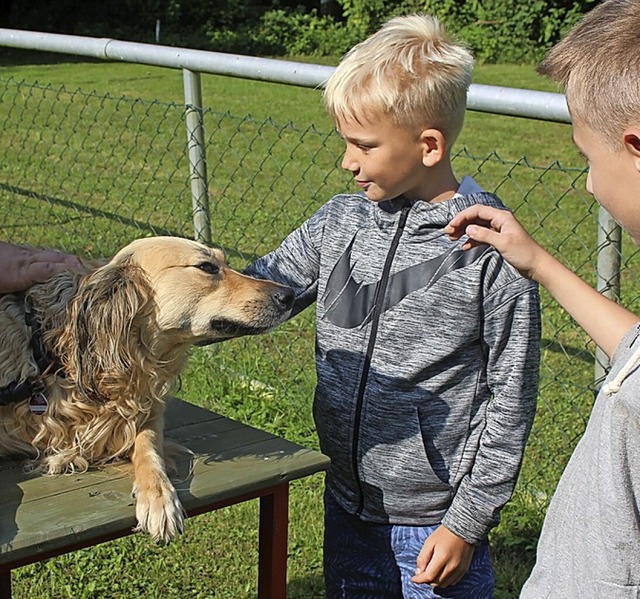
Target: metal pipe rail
[482, 98]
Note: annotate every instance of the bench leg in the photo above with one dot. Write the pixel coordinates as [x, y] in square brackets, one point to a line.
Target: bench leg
[272, 560]
[5, 584]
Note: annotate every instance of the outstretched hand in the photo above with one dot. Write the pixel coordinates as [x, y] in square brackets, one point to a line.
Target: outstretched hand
[21, 266]
[501, 229]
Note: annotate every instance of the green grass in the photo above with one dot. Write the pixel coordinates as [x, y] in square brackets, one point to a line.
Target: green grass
[95, 156]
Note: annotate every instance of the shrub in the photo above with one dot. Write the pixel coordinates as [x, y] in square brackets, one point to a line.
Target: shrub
[507, 31]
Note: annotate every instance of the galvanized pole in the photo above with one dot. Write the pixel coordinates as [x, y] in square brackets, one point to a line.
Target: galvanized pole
[197, 156]
[608, 283]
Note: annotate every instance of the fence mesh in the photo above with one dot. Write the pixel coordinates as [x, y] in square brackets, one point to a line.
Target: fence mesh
[87, 173]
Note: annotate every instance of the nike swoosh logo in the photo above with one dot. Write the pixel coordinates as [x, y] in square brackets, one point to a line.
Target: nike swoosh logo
[349, 304]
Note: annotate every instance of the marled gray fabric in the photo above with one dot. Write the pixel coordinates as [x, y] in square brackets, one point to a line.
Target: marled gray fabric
[590, 541]
[424, 407]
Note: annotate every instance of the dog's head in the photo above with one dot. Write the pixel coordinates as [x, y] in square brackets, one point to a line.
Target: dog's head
[153, 300]
[197, 297]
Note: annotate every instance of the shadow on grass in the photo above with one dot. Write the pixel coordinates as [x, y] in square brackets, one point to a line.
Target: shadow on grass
[512, 567]
[513, 555]
[80, 208]
[309, 587]
[581, 353]
[144, 227]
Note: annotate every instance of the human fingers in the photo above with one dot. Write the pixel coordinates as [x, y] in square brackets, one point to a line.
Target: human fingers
[424, 557]
[53, 257]
[431, 575]
[502, 230]
[39, 272]
[453, 570]
[38, 268]
[449, 558]
[479, 214]
[429, 565]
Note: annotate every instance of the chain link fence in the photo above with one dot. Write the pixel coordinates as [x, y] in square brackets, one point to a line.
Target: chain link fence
[87, 173]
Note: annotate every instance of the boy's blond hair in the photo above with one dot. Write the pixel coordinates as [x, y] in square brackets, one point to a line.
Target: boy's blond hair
[598, 64]
[411, 71]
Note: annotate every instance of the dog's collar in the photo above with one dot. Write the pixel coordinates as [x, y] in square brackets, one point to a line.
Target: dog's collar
[44, 361]
[19, 391]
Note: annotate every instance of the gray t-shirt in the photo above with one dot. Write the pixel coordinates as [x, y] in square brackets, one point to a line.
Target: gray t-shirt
[590, 541]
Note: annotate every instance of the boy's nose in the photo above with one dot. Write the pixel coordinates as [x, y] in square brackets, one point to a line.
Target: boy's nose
[348, 163]
[589, 184]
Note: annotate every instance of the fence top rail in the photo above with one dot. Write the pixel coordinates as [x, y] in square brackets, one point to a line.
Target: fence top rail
[482, 98]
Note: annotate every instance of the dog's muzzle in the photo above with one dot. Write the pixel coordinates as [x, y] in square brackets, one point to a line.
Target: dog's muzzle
[267, 314]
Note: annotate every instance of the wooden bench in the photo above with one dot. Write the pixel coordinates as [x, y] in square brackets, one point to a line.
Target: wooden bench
[46, 516]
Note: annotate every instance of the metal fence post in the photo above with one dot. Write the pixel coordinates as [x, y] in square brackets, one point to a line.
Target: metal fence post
[197, 156]
[608, 282]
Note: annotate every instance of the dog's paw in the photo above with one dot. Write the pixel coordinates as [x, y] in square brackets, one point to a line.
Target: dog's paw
[158, 510]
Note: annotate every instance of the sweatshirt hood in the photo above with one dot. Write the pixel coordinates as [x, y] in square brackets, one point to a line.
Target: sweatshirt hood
[427, 219]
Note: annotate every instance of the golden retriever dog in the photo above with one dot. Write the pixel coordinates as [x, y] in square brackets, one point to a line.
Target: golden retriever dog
[87, 358]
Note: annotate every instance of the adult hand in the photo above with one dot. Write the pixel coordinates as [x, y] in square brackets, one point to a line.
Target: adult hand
[21, 266]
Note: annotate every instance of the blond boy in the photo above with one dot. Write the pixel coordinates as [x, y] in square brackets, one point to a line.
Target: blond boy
[426, 355]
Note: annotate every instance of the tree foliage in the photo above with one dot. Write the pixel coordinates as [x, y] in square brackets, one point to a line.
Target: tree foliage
[506, 30]
[496, 30]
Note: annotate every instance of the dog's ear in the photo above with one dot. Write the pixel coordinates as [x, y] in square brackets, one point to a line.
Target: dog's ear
[101, 344]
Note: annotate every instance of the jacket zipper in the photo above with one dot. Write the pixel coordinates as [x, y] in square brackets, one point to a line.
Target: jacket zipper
[375, 319]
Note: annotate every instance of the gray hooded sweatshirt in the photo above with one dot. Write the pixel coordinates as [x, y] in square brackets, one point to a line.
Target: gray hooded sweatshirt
[427, 359]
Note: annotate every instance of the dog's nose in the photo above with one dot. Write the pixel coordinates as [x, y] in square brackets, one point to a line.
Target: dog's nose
[284, 296]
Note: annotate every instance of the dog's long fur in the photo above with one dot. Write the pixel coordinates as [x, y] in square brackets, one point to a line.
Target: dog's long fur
[120, 334]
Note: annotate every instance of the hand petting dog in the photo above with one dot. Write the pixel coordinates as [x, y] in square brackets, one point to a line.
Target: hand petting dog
[22, 266]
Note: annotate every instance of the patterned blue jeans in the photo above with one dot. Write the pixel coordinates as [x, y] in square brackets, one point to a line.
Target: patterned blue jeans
[363, 560]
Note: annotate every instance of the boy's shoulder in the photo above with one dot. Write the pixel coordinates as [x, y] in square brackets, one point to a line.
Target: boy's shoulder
[470, 193]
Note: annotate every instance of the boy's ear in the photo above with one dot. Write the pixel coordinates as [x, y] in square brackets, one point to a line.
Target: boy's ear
[434, 146]
[631, 138]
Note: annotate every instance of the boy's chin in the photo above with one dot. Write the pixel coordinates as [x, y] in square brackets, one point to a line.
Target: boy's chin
[376, 197]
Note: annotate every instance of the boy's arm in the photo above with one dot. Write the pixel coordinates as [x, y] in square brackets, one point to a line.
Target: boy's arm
[603, 320]
[296, 263]
[511, 334]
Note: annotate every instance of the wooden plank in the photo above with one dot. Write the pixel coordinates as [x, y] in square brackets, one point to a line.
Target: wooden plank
[180, 415]
[203, 434]
[44, 514]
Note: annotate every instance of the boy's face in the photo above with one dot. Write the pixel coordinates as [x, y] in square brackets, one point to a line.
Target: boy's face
[386, 160]
[613, 179]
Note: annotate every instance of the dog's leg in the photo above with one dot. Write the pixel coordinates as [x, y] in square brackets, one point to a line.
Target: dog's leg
[158, 509]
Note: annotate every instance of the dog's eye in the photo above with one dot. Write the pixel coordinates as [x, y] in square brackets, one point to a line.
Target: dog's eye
[209, 268]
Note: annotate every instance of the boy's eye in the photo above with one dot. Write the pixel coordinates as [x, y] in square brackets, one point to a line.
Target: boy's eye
[209, 267]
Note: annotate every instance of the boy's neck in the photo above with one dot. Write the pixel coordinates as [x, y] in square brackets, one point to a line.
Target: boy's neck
[442, 184]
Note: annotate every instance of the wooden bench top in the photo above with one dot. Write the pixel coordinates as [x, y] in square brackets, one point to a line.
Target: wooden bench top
[41, 515]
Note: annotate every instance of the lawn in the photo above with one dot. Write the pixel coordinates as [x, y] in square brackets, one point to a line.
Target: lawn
[94, 156]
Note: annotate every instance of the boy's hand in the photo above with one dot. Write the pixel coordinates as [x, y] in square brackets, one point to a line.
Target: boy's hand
[444, 559]
[501, 229]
